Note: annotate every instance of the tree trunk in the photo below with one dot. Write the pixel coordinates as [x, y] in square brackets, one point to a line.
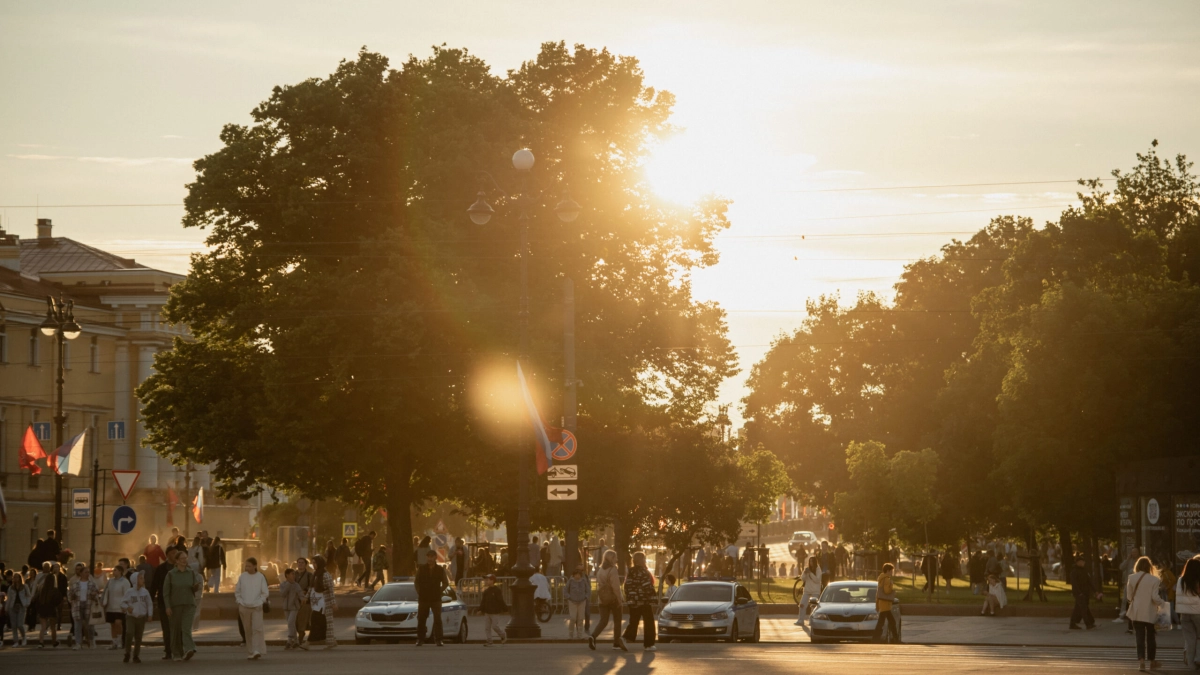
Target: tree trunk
[399, 508]
[1064, 541]
[621, 537]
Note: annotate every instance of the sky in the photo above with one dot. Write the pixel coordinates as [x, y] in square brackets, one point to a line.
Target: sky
[801, 113]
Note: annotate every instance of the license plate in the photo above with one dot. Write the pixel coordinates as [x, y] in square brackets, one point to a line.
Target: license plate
[692, 624]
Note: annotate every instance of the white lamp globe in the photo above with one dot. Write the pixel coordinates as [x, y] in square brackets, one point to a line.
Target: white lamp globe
[523, 160]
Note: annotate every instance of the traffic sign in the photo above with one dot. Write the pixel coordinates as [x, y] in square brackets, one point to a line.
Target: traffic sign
[125, 481]
[566, 447]
[124, 519]
[81, 503]
[563, 472]
[116, 431]
[350, 530]
[562, 493]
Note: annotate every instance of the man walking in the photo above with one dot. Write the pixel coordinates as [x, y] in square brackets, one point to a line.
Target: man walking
[885, 594]
[160, 605]
[179, 591]
[492, 605]
[363, 548]
[250, 593]
[431, 583]
[1082, 590]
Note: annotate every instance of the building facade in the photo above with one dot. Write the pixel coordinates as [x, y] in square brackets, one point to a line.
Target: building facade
[118, 303]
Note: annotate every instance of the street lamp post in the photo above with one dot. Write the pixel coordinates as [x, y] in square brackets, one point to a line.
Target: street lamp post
[59, 324]
[524, 624]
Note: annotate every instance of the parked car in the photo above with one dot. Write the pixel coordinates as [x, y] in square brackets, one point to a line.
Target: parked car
[710, 610]
[391, 614]
[803, 537]
[846, 611]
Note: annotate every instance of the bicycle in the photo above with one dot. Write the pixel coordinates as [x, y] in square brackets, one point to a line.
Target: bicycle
[543, 609]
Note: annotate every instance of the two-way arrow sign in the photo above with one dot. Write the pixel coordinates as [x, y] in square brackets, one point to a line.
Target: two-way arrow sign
[562, 493]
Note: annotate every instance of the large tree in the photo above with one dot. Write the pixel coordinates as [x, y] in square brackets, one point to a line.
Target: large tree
[346, 304]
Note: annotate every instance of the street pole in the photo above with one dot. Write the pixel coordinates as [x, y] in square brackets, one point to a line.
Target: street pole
[524, 624]
[95, 504]
[570, 406]
[59, 421]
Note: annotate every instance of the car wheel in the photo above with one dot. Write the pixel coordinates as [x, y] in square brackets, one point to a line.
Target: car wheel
[733, 632]
[362, 641]
[461, 638]
[756, 635]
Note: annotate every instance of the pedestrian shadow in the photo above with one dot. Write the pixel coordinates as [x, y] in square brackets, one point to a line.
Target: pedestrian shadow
[625, 664]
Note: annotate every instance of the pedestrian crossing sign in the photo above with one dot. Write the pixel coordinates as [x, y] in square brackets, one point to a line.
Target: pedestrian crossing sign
[350, 530]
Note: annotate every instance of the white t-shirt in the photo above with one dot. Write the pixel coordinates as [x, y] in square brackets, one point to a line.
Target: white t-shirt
[541, 584]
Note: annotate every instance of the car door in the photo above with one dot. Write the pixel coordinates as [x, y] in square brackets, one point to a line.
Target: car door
[450, 614]
[745, 610]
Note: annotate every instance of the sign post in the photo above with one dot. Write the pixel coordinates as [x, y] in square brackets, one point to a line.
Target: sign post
[562, 493]
[125, 481]
[350, 531]
[81, 503]
[124, 519]
[563, 472]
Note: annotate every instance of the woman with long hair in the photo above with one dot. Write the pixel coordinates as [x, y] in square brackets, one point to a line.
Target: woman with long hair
[1142, 593]
[612, 602]
[20, 597]
[323, 584]
[1187, 605]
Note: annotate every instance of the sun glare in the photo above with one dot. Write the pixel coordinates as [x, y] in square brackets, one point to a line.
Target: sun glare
[679, 170]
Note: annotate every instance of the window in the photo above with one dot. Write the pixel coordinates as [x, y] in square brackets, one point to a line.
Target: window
[35, 356]
[95, 355]
[3, 345]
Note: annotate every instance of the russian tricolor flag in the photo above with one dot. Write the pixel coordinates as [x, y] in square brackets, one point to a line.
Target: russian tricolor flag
[539, 428]
[68, 460]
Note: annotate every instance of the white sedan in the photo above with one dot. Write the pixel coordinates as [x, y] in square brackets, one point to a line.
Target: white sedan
[710, 610]
[391, 614]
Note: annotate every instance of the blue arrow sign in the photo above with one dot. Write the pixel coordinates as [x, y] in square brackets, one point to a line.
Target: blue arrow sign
[124, 519]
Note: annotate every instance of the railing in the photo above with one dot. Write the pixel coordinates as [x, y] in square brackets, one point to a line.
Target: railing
[470, 591]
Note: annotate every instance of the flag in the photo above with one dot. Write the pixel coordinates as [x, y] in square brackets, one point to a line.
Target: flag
[3, 508]
[69, 458]
[539, 429]
[198, 506]
[31, 451]
[172, 502]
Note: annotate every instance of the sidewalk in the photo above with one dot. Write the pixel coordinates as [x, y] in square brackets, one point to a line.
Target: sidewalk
[932, 630]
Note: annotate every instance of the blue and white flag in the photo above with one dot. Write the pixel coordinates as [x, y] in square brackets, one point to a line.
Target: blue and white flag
[68, 460]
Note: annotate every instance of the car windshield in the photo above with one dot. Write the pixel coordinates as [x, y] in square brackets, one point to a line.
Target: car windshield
[703, 593]
[850, 595]
[396, 593]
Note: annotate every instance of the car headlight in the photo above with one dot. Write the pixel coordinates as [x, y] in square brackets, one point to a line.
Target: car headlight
[821, 616]
[363, 614]
[873, 616]
[720, 615]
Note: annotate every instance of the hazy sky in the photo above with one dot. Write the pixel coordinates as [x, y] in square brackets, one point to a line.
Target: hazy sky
[108, 103]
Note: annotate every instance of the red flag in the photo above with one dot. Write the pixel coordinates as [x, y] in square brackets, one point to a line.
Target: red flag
[172, 502]
[198, 506]
[31, 451]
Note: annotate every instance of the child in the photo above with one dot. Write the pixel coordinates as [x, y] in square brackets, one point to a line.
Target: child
[291, 592]
[137, 606]
[578, 591]
[493, 605]
[996, 598]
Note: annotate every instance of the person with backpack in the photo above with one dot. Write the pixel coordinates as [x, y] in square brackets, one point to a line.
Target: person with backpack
[492, 605]
[639, 595]
[608, 584]
[363, 548]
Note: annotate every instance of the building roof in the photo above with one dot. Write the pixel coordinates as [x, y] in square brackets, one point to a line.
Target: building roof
[68, 255]
[12, 281]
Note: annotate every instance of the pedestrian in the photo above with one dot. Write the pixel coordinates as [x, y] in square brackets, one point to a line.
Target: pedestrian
[214, 564]
[1126, 571]
[156, 592]
[379, 562]
[250, 593]
[304, 579]
[535, 553]
[1144, 601]
[556, 558]
[541, 587]
[639, 597]
[992, 567]
[885, 595]
[431, 584]
[608, 584]
[110, 599]
[83, 595]
[46, 601]
[492, 605]
[1082, 590]
[18, 599]
[153, 552]
[137, 606]
[179, 595]
[424, 547]
[579, 588]
[996, 598]
[670, 587]
[1187, 604]
[291, 592]
[343, 561]
[1167, 589]
[323, 585]
[975, 573]
[331, 556]
[363, 548]
[459, 560]
[543, 561]
[811, 580]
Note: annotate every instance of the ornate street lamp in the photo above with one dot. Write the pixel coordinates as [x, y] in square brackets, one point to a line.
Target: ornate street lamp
[59, 324]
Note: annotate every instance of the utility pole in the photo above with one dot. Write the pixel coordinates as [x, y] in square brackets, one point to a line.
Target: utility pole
[95, 502]
[187, 500]
[570, 402]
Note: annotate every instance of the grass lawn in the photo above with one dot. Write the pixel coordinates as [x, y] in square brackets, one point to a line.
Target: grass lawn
[1057, 592]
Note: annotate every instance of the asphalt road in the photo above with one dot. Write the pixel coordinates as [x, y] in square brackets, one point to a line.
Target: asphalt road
[692, 659]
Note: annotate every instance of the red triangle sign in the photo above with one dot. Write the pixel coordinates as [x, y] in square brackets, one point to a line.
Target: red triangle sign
[125, 481]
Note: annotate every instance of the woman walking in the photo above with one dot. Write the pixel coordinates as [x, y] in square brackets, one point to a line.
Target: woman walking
[138, 607]
[812, 588]
[46, 601]
[1187, 605]
[83, 595]
[250, 593]
[608, 586]
[324, 586]
[20, 596]
[1142, 594]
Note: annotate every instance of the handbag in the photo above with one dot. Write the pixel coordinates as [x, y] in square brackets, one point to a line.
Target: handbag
[266, 605]
[1162, 620]
[96, 614]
